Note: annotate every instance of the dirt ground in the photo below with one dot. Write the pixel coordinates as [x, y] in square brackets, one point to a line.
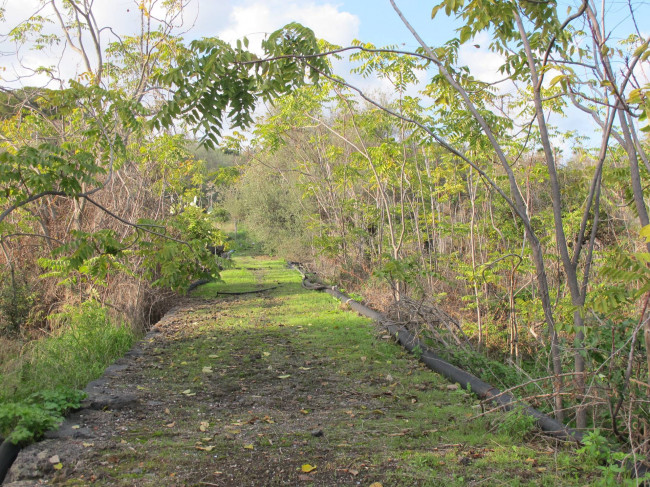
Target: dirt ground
[279, 388]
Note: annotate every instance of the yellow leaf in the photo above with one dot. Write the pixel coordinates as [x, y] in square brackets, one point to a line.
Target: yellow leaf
[58, 466]
[87, 445]
[308, 468]
[645, 232]
[284, 376]
[249, 447]
[304, 411]
[376, 484]
[206, 370]
[205, 448]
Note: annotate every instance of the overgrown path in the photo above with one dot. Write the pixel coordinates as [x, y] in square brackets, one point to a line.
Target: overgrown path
[286, 387]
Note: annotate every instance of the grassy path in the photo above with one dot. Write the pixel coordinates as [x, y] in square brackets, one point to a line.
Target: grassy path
[258, 389]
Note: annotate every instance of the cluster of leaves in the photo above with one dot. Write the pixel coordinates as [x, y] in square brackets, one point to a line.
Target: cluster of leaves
[175, 263]
[172, 253]
[627, 276]
[73, 165]
[87, 257]
[215, 81]
[598, 451]
[27, 421]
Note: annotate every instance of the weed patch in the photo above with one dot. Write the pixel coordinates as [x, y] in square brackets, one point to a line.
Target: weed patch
[84, 343]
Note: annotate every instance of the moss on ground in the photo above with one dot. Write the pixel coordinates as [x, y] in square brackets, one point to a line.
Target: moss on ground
[247, 389]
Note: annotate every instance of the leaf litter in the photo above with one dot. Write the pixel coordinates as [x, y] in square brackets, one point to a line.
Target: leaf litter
[358, 412]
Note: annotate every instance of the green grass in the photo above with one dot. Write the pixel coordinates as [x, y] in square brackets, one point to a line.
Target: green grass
[85, 342]
[286, 362]
[416, 401]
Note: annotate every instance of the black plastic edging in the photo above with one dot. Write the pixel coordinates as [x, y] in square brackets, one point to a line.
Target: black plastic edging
[8, 454]
[463, 378]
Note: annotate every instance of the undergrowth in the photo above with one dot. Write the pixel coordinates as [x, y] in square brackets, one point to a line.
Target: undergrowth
[84, 343]
[25, 421]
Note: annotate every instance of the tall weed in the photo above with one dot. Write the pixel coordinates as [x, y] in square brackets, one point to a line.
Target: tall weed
[84, 343]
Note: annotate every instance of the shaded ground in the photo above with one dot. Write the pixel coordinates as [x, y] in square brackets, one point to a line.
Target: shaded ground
[257, 389]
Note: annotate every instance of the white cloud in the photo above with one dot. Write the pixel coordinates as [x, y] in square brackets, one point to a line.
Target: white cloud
[228, 19]
[263, 17]
[483, 63]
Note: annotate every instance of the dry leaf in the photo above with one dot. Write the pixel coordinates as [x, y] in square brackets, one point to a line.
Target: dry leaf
[204, 426]
[87, 445]
[171, 425]
[205, 448]
[206, 370]
[58, 466]
[284, 376]
[452, 387]
[376, 484]
[308, 468]
[304, 411]
[249, 447]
